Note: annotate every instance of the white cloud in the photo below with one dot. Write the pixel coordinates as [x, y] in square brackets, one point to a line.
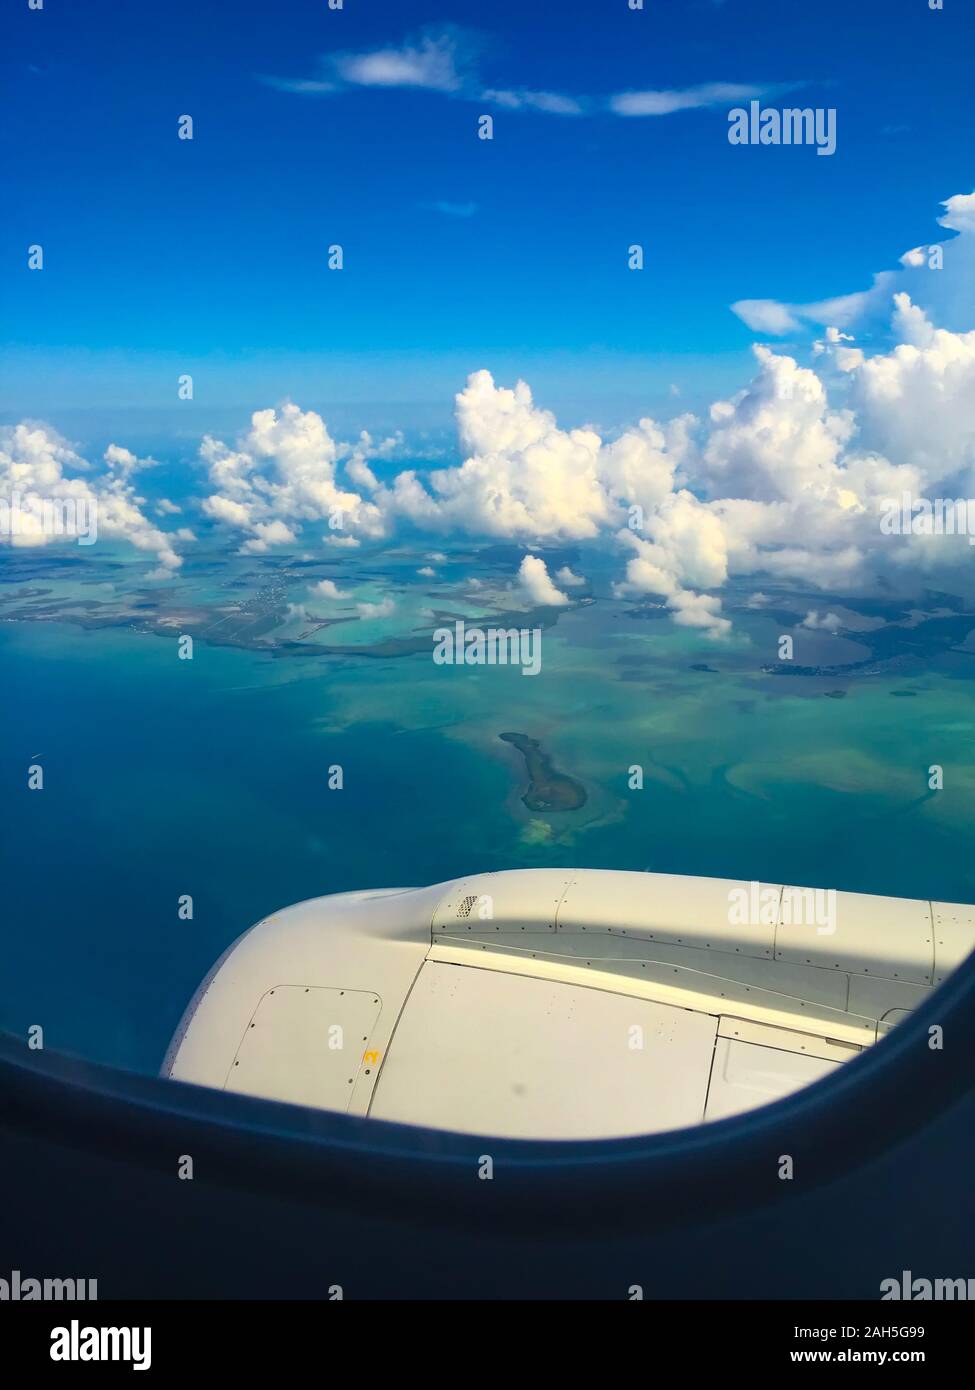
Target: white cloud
[357, 470]
[553, 103]
[123, 463]
[788, 478]
[911, 324]
[800, 488]
[832, 339]
[916, 403]
[568, 579]
[640, 467]
[780, 480]
[698, 610]
[536, 586]
[226, 509]
[327, 588]
[948, 292]
[664, 103]
[266, 535]
[433, 60]
[281, 474]
[443, 60]
[523, 477]
[771, 316]
[383, 609]
[303, 86]
[826, 622]
[36, 472]
[361, 475]
[766, 315]
[427, 572]
[777, 439]
[960, 214]
[683, 550]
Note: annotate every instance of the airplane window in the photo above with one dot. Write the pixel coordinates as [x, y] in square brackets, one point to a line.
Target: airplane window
[487, 615]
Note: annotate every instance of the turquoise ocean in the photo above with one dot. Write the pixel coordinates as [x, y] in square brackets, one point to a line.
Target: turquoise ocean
[210, 778]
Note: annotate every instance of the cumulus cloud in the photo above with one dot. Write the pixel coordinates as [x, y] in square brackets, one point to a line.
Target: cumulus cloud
[282, 474]
[787, 480]
[832, 344]
[917, 403]
[523, 477]
[38, 483]
[266, 535]
[826, 622]
[793, 496]
[535, 584]
[568, 579]
[683, 551]
[327, 588]
[122, 463]
[959, 215]
[778, 438]
[383, 609]
[640, 468]
[800, 487]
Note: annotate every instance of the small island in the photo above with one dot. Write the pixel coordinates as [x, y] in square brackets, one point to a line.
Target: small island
[548, 790]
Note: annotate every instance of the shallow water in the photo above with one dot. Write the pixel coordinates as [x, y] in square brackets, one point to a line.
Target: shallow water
[210, 778]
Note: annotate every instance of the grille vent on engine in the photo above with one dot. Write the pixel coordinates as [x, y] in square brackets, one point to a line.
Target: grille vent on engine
[466, 905]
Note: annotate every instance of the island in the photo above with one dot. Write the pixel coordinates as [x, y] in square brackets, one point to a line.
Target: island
[548, 790]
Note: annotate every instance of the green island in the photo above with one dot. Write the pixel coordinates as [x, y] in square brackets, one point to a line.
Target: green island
[548, 790]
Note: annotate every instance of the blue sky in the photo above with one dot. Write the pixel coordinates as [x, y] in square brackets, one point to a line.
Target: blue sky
[164, 256]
